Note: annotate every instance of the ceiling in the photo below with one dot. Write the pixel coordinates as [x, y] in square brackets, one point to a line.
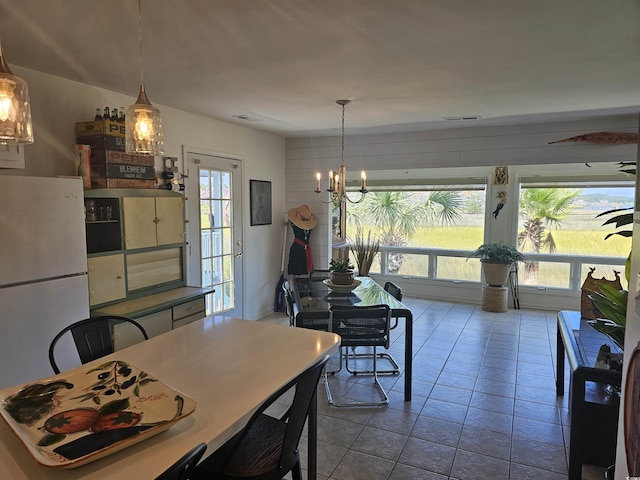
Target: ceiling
[280, 65]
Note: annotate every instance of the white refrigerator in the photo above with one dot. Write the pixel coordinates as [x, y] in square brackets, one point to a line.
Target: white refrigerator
[43, 271]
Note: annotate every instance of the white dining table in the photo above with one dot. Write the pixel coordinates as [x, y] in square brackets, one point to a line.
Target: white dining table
[227, 365]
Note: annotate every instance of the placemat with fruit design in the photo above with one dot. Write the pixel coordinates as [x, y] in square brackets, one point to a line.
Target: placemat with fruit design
[77, 417]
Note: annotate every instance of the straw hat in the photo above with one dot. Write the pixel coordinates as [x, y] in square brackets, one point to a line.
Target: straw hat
[302, 217]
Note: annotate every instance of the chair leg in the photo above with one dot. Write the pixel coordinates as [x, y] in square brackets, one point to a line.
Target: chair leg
[333, 372]
[395, 368]
[384, 399]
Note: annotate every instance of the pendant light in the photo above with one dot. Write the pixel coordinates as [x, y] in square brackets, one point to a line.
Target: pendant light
[143, 125]
[15, 107]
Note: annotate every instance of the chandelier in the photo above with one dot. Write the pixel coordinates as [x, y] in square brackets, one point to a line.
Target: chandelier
[143, 125]
[337, 180]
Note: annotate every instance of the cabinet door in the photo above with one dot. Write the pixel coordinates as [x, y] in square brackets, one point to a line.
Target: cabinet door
[106, 279]
[170, 215]
[139, 222]
[125, 334]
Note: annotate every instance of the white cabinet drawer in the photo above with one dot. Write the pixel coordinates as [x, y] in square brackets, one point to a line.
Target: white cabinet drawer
[186, 320]
[188, 309]
[126, 334]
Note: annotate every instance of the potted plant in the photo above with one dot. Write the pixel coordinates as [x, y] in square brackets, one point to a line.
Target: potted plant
[497, 259]
[341, 272]
[613, 305]
[365, 250]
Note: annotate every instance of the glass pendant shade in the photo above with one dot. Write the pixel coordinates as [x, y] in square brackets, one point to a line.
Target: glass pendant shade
[15, 107]
[143, 127]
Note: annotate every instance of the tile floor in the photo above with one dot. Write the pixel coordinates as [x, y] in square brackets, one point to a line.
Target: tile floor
[483, 407]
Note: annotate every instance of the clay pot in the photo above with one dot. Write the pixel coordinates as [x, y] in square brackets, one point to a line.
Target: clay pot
[342, 278]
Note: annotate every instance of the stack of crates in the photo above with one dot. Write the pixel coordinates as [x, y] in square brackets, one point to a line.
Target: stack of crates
[110, 167]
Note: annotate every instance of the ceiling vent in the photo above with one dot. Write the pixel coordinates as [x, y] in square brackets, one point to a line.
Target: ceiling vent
[463, 117]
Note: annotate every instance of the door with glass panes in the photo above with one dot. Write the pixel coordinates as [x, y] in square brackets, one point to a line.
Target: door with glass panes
[215, 230]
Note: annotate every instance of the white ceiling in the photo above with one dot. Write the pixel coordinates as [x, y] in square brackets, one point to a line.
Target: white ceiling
[406, 64]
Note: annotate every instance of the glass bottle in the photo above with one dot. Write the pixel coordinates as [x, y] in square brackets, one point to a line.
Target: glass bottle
[98, 114]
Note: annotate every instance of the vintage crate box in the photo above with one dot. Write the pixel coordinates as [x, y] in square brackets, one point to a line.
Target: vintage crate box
[102, 156]
[102, 142]
[107, 182]
[99, 128]
[121, 170]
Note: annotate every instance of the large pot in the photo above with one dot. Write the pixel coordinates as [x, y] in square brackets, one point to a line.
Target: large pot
[342, 278]
[496, 274]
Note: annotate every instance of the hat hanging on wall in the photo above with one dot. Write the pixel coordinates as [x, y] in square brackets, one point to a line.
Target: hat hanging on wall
[303, 217]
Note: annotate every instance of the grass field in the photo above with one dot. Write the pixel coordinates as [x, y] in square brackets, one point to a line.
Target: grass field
[568, 242]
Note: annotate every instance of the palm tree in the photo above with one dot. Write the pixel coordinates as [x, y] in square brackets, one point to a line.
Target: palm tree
[542, 209]
[398, 215]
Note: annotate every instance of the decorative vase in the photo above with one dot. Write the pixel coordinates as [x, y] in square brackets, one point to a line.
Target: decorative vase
[342, 278]
[496, 274]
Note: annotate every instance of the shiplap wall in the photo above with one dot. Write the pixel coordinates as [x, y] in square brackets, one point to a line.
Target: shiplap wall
[461, 150]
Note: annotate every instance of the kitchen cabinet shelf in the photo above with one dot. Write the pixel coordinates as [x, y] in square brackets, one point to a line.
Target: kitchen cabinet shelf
[135, 243]
[102, 221]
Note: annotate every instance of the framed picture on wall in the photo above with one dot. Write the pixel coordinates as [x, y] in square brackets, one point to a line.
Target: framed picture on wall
[260, 198]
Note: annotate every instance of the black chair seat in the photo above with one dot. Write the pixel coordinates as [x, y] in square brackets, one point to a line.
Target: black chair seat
[257, 454]
[267, 447]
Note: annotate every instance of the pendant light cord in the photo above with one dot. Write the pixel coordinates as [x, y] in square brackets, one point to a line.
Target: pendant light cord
[342, 152]
[140, 41]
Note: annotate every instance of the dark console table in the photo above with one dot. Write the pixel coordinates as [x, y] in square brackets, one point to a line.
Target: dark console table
[594, 412]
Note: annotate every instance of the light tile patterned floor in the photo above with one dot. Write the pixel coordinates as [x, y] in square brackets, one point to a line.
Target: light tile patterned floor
[483, 407]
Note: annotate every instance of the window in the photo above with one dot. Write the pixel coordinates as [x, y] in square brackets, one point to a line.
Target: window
[424, 230]
[560, 232]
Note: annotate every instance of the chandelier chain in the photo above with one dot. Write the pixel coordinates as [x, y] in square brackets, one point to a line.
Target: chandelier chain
[342, 151]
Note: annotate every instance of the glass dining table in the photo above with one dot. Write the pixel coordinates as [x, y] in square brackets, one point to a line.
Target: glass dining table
[315, 297]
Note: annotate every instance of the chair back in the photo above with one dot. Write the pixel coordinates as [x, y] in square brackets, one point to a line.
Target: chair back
[313, 320]
[296, 416]
[258, 429]
[92, 338]
[317, 275]
[181, 470]
[288, 302]
[361, 326]
[394, 290]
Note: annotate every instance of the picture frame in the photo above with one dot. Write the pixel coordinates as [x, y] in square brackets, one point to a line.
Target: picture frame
[501, 175]
[260, 202]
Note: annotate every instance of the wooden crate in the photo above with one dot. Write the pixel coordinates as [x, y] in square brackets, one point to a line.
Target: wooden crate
[121, 183]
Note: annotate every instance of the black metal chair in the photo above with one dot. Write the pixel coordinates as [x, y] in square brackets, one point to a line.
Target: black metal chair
[396, 292]
[92, 337]
[182, 469]
[288, 302]
[267, 447]
[360, 327]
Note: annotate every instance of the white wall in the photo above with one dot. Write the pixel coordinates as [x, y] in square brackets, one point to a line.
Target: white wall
[58, 103]
[473, 151]
[632, 330]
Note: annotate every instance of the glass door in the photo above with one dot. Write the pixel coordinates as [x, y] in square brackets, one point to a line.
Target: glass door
[215, 224]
